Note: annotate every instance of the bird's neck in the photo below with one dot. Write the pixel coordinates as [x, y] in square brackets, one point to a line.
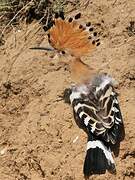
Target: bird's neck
[80, 72]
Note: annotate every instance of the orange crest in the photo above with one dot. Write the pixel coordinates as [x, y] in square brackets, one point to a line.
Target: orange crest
[72, 37]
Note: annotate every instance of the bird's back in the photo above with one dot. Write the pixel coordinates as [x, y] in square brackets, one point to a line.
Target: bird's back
[95, 104]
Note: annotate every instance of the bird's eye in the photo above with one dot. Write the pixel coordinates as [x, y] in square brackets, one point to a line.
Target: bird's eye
[63, 52]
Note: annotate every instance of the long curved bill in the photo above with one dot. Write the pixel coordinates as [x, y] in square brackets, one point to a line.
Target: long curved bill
[42, 48]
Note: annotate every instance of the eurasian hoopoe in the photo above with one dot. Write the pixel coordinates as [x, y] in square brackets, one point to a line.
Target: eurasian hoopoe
[93, 98]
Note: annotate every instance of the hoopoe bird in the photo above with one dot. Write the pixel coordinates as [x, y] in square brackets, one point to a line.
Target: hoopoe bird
[93, 98]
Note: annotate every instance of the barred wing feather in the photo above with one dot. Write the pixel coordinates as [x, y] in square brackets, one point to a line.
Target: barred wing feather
[100, 114]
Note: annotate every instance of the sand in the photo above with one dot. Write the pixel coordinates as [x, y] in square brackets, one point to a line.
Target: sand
[39, 139]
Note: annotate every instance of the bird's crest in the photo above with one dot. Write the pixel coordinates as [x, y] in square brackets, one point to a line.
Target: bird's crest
[69, 36]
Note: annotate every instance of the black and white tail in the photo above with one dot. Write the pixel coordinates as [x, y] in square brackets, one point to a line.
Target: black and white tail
[98, 158]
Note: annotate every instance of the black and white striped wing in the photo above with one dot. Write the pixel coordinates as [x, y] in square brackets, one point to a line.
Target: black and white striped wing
[99, 113]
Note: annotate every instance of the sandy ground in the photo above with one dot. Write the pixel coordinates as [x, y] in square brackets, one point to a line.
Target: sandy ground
[37, 129]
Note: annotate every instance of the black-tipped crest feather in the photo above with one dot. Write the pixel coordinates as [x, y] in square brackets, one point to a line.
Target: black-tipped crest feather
[71, 36]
